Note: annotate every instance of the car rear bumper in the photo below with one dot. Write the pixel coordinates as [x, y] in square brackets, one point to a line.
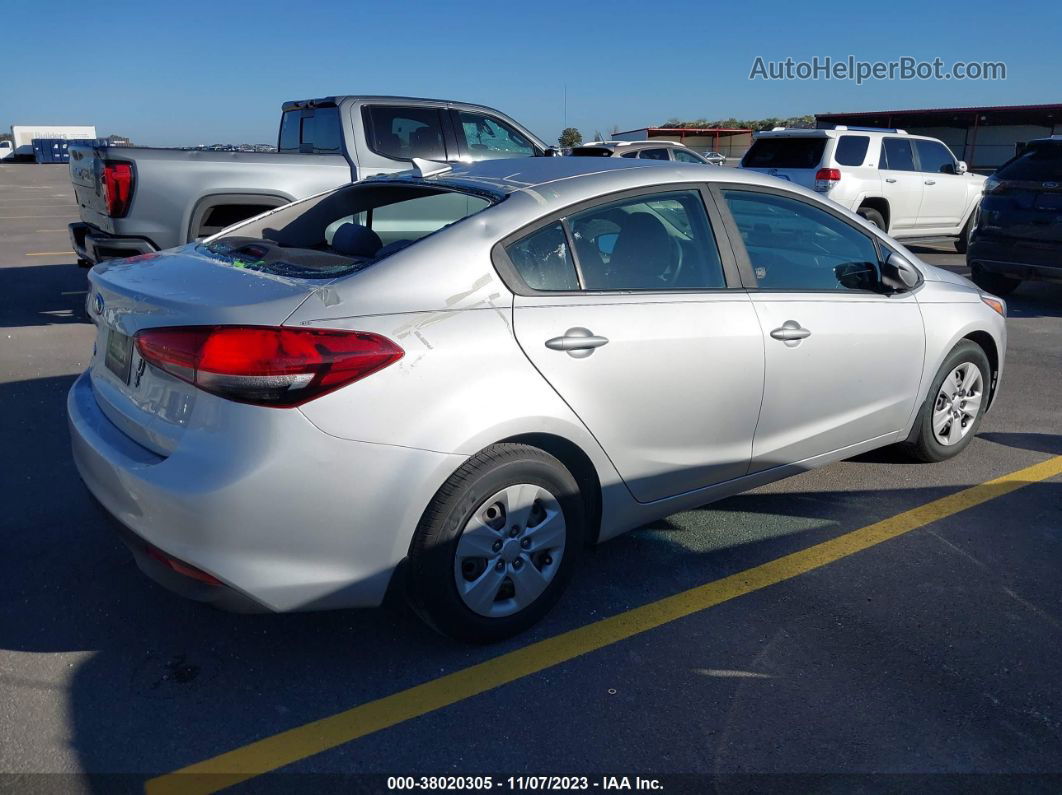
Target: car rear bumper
[92, 245]
[282, 515]
[1026, 260]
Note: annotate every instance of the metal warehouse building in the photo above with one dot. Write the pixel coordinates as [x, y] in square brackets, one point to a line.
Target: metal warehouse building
[730, 141]
[984, 137]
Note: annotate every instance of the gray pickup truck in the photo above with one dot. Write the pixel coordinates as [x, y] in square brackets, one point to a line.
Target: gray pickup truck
[135, 200]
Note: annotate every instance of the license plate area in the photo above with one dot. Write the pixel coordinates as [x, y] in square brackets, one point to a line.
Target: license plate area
[119, 355]
[1049, 201]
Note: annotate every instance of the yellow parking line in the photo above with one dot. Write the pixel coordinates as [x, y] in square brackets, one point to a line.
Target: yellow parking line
[312, 738]
[48, 253]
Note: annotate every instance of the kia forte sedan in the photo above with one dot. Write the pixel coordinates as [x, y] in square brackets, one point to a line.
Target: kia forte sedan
[446, 383]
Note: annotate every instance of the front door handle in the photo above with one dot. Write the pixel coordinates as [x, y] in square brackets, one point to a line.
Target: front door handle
[577, 341]
[931, 182]
[790, 333]
[890, 179]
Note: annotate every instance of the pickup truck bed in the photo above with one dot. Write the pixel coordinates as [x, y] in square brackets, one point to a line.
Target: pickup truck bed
[173, 193]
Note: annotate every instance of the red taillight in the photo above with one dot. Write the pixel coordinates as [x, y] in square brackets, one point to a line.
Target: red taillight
[117, 187]
[181, 567]
[828, 175]
[278, 367]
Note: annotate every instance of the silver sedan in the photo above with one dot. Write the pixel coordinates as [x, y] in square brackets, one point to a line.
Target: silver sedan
[448, 382]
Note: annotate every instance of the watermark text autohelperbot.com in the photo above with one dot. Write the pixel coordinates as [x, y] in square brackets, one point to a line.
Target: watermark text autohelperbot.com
[852, 68]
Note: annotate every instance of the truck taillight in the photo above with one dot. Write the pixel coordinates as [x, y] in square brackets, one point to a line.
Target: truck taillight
[826, 178]
[117, 187]
[264, 365]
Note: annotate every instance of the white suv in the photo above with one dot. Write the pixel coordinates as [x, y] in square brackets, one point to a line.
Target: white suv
[907, 185]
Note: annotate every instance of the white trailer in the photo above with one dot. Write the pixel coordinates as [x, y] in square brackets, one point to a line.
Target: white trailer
[23, 135]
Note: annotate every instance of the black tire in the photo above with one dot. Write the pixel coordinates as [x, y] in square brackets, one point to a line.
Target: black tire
[923, 445]
[962, 242]
[432, 590]
[995, 283]
[874, 217]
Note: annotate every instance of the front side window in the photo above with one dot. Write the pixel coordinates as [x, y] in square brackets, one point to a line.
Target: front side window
[793, 245]
[897, 154]
[935, 158]
[654, 154]
[683, 156]
[402, 133]
[851, 150]
[489, 138]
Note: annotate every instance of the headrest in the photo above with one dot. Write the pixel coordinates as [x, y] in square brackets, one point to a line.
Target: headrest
[355, 240]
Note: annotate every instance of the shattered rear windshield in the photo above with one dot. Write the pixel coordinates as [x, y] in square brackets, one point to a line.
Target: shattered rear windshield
[254, 254]
[344, 231]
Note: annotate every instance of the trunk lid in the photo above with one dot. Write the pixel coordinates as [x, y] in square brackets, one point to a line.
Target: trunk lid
[184, 287]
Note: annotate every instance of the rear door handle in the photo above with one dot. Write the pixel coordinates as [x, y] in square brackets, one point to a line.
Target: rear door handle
[931, 182]
[790, 333]
[890, 179]
[577, 341]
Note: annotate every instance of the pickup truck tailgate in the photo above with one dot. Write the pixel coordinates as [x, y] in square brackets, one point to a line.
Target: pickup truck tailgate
[86, 174]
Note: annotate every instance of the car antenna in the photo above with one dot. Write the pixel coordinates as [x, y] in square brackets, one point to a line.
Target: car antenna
[429, 168]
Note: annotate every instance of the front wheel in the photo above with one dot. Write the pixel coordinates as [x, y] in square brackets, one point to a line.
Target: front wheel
[952, 411]
[497, 544]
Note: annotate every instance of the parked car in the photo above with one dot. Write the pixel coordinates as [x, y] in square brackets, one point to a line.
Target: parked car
[644, 150]
[420, 374]
[1018, 234]
[137, 200]
[910, 186]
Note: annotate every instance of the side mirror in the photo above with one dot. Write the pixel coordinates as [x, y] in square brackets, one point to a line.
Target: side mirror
[553, 151]
[961, 167]
[898, 273]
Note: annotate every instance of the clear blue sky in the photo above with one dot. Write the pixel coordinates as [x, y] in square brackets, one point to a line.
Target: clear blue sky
[205, 72]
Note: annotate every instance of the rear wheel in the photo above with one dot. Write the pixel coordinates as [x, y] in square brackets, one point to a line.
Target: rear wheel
[874, 217]
[993, 282]
[497, 544]
[953, 409]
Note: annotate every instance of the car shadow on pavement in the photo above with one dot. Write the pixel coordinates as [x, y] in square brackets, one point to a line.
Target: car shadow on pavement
[1036, 442]
[41, 295]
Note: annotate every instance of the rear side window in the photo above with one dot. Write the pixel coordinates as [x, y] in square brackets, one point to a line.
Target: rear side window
[659, 242]
[851, 150]
[897, 155]
[785, 153]
[683, 156]
[311, 131]
[654, 154]
[935, 157]
[1041, 160]
[402, 133]
[543, 260]
[490, 138]
[631, 154]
